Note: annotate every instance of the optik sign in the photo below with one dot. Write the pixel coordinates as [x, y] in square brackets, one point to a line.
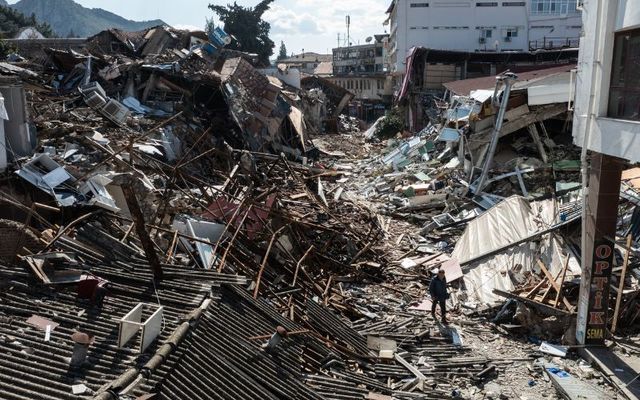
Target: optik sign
[599, 295]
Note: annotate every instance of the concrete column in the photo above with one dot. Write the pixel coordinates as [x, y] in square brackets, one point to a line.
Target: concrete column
[597, 262]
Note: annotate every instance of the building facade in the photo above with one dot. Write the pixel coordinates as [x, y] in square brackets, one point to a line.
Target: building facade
[306, 62]
[483, 26]
[364, 71]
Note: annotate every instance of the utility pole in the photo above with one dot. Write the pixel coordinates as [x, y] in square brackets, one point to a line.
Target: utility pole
[348, 31]
[338, 39]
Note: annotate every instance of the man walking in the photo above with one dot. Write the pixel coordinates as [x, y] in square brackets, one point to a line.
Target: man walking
[439, 295]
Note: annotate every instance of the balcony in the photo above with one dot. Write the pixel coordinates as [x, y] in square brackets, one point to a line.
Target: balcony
[551, 43]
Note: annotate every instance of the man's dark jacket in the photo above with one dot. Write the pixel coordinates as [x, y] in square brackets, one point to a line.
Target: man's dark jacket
[438, 288]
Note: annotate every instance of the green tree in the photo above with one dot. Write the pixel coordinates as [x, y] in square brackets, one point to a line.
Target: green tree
[248, 27]
[282, 54]
[12, 20]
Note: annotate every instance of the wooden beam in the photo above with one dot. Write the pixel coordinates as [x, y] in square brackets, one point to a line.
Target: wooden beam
[546, 292]
[419, 375]
[533, 131]
[143, 235]
[264, 262]
[299, 264]
[614, 324]
[564, 275]
[554, 283]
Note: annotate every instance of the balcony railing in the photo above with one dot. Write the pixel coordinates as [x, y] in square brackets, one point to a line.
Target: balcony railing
[550, 43]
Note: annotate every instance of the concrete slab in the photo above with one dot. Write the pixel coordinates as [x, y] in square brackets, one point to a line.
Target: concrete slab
[622, 372]
[571, 387]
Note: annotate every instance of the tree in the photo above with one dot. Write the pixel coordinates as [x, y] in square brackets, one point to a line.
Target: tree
[12, 20]
[282, 54]
[249, 29]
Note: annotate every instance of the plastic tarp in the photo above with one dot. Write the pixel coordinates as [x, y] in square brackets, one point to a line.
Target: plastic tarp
[482, 95]
[505, 223]
[511, 220]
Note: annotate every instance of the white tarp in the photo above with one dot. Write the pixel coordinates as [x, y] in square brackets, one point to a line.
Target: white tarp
[482, 95]
[505, 223]
[511, 220]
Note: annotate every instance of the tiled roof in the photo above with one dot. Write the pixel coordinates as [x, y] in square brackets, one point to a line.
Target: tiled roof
[220, 362]
[33, 368]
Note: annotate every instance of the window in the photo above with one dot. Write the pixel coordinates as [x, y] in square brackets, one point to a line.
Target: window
[487, 33]
[487, 4]
[451, 27]
[417, 5]
[452, 4]
[513, 4]
[624, 93]
[510, 33]
[553, 7]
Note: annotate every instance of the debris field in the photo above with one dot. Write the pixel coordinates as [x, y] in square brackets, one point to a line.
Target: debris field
[175, 224]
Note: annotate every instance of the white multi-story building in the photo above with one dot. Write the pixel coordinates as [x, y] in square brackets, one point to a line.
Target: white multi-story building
[474, 25]
[606, 124]
[607, 106]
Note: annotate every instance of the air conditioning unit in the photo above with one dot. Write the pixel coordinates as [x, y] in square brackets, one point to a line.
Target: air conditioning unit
[482, 40]
[116, 111]
[95, 100]
[93, 87]
[507, 38]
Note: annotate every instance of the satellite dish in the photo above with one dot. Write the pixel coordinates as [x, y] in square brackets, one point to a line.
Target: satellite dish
[369, 39]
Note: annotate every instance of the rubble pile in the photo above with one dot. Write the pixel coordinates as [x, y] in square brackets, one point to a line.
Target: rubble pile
[177, 229]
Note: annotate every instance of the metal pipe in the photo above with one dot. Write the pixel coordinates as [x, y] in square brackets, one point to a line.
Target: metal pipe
[508, 78]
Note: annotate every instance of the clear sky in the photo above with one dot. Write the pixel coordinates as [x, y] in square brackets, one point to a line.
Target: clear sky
[312, 25]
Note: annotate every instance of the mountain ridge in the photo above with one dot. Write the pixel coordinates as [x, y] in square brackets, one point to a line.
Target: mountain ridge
[68, 18]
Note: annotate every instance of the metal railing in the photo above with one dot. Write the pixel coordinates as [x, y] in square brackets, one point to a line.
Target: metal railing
[550, 43]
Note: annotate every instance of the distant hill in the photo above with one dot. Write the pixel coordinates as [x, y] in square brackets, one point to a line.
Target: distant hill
[66, 17]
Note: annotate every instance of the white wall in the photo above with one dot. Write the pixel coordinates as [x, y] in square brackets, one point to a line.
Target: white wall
[564, 26]
[290, 76]
[364, 88]
[614, 137]
[457, 24]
